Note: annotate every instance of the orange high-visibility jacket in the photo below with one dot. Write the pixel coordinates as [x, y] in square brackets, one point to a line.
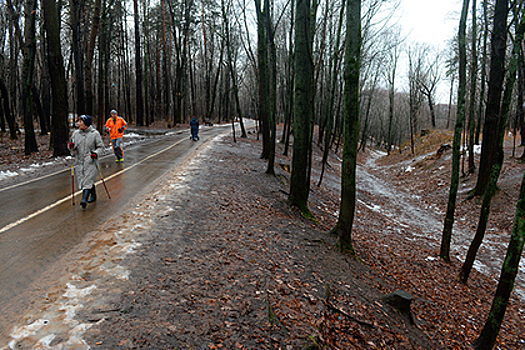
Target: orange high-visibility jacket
[112, 127]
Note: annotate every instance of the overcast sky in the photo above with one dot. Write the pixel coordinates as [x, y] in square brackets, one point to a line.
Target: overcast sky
[433, 22]
[430, 21]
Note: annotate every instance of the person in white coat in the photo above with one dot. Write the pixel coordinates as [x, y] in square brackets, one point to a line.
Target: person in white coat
[87, 146]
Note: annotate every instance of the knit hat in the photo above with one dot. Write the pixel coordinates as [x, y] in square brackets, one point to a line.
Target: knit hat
[86, 119]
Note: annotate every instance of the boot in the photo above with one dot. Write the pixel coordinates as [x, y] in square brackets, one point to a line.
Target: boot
[85, 196]
[92, 195]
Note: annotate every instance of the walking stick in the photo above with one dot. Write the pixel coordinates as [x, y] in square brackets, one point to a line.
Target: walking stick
[72, 179]
[101, 178]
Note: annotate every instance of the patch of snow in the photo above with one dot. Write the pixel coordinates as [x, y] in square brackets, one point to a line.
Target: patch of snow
[75, 339]
[7, 174]
[373, 207]
[45, 342]
[431, 258]
[376, 208]
[118, 272]
[73, 292]
[132, 135]
[409, 169]
[26, 331]
[129, 247]
[379, 153]
[70, 311]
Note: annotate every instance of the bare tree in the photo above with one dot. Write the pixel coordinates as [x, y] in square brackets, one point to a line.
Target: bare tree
[29, 50]
[58, 79]
[303, 106]
[351, 126]
[429, 80]
[333, 79]
[415, 72]
[76, 10]
[493, 123]
[471, 121]
[138, 68]
[499, 155]
[456, 144]
[392, 59]
[90, 52]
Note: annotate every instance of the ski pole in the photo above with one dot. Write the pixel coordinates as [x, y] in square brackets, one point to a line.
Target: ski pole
[101, 178]
[72, 179]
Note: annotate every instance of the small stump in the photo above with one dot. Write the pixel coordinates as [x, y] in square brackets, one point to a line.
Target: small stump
[401, 301]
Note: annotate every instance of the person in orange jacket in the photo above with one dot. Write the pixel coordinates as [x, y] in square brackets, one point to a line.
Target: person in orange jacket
[116, 126]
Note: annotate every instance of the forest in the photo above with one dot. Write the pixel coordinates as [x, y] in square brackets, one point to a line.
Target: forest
[336, 73]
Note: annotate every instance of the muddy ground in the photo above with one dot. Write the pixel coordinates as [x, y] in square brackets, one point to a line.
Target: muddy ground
[213, 257]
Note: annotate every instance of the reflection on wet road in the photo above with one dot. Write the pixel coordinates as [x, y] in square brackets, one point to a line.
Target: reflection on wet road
[39, 225]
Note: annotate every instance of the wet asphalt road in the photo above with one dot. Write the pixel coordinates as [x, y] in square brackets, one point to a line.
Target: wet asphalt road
[38, 223]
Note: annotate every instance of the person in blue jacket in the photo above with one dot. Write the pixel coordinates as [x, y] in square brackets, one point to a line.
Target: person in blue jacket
[194, 124]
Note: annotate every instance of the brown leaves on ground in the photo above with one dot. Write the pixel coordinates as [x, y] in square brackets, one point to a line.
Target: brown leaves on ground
[233, 267]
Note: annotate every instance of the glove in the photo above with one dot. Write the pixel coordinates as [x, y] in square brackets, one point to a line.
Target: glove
[94, 156]
[120, 129]
[71, 145]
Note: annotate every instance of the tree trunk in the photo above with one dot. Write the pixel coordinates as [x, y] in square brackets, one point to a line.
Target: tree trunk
[444, 252]
[39, 111]
[432, 111]
[364, 134]
[264, 79]
[303, 104]
[166, 53]
[290, 83]
[138, 68]
[351, 126]
[29, 50]
[333, 81]
[147, 61]
[58, 79]
[272, 60]
[493, 118]
[509, 271]
[483, 71]
[471, 125]
[2, 116]
[231, 65]
[89, 57]
[272, 86]
[449, 109]
[391, 98]
[496, 167]
[78, 54]
[7, 110]
[102, 76]
[520, 110]
[215, 84]
[181, 39]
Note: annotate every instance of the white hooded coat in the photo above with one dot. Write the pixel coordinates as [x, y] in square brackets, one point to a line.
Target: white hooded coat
[86, 142]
